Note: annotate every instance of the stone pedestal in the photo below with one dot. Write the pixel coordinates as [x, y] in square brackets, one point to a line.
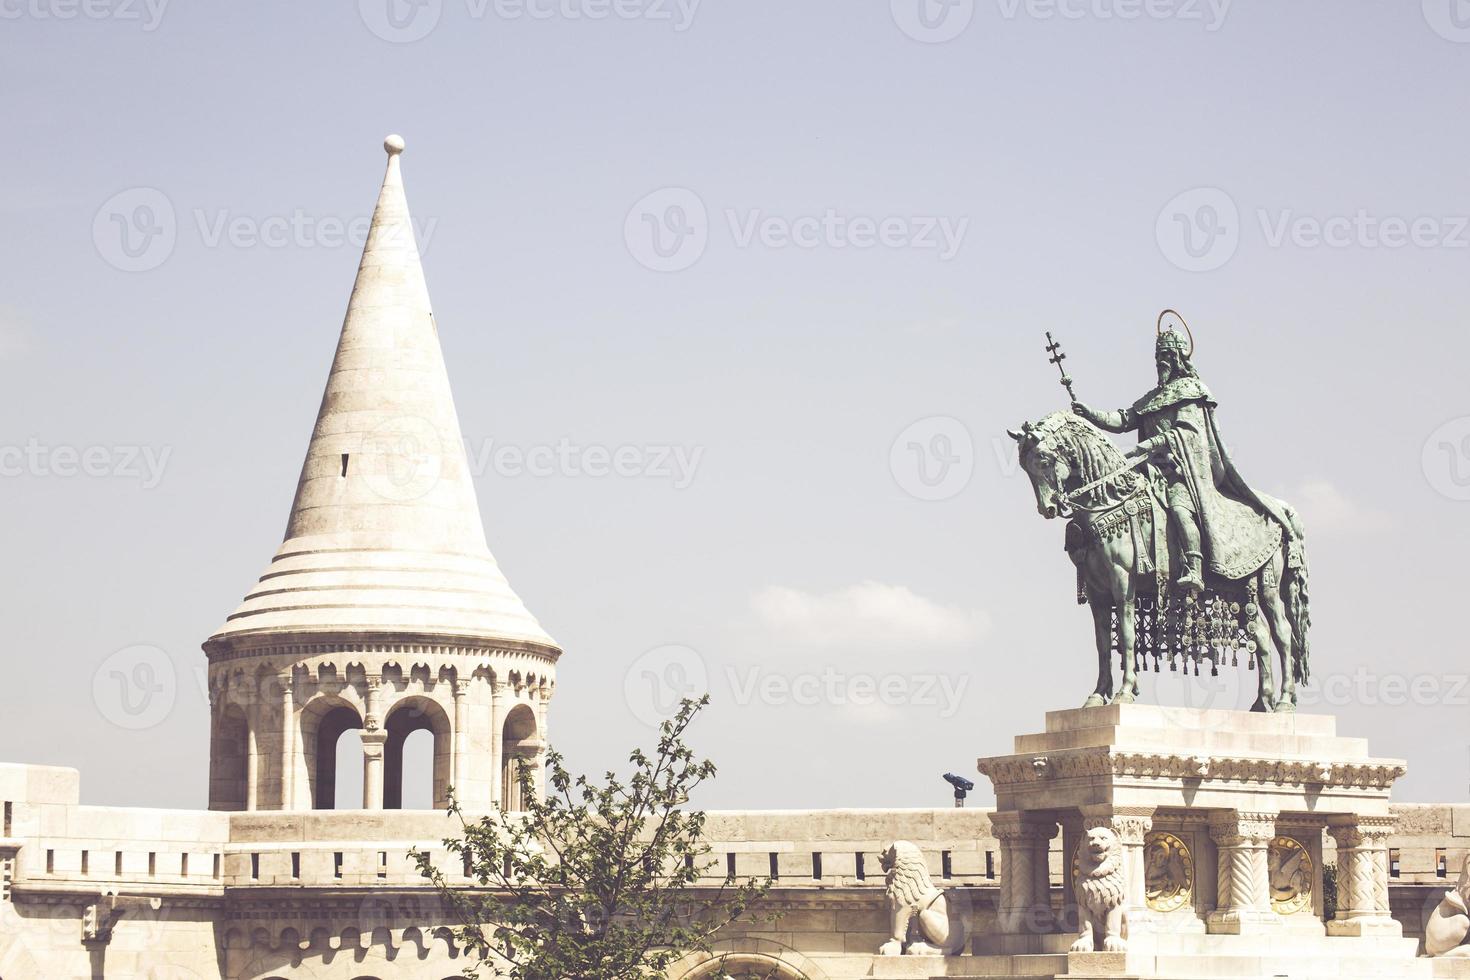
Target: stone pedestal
[1218, 816]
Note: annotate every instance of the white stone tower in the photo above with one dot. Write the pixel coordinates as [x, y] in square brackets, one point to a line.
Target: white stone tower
[383, 610]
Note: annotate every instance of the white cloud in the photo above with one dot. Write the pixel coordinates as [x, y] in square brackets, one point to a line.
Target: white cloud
[866, 615]
[1323, 507]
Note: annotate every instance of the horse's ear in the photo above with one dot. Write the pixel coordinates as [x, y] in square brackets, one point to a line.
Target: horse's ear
[1019, 437]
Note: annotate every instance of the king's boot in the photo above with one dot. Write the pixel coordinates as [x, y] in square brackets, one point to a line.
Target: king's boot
[1193, 580]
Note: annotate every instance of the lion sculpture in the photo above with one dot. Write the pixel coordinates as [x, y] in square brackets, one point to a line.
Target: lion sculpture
[920, 913]
[1101, 889]
[1447, 933]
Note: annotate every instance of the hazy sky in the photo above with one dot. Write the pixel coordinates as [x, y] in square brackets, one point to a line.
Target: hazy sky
[772, 247]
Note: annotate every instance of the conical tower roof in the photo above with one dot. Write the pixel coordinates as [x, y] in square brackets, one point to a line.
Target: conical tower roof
[385, 537]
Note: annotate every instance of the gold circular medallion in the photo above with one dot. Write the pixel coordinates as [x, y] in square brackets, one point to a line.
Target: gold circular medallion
[1168, 869]
[1291, 876]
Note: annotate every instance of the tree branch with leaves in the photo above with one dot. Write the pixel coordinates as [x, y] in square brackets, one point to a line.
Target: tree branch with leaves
[604, 880]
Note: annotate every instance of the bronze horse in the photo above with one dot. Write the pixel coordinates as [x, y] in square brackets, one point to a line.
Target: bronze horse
[1117, 537]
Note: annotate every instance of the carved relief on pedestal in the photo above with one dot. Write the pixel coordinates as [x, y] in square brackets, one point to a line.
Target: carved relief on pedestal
[1168, 872]
[1292, 874]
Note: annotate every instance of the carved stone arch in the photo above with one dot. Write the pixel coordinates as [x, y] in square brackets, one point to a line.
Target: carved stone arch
[407, 715]
[748, 959]
[520, 738]
[229, 758]
[323, 720]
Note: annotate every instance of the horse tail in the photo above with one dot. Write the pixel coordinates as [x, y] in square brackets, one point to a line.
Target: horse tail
[1298, 595]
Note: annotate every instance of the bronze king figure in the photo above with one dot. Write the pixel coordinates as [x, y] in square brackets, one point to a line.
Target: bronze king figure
[1174, 500]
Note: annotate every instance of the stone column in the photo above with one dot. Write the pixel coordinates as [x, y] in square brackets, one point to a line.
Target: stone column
[1072, 832]
[1025, 881]
[1131, 824]
[372, 768]
[252, 757]
[373, 739]
[1362, 877]
[459, 745]
[288, 742]
[543, 702]
[1243, 890]
[497, 716]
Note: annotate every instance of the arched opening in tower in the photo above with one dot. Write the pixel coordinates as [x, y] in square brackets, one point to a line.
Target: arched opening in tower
[324, 721]
[229, 760]
[408, 783]
[518, 741]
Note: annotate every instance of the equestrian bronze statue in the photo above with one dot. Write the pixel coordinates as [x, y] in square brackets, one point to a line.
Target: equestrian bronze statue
[1177, 556]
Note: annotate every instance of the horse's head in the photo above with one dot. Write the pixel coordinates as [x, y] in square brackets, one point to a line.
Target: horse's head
[1061, 453]
[1045, 465]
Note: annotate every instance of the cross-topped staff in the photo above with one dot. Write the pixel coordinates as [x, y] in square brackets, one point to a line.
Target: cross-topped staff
[1057, 357]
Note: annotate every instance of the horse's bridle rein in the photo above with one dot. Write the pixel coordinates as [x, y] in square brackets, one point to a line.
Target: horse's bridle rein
[1068, 502]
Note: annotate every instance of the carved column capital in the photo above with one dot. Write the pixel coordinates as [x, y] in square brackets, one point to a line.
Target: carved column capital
[1361, 832]
[1130, 823]
[1014, 827]
[373, 742]
[1242, 828]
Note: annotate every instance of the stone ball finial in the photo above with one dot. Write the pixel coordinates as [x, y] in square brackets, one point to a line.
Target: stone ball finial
[393, 144]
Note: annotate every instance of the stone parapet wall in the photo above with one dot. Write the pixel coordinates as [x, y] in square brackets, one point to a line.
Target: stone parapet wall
[144, 848]
[1421, 832]
[258, 883]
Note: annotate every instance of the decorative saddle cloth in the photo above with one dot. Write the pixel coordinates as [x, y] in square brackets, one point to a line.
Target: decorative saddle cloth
[1239, 538]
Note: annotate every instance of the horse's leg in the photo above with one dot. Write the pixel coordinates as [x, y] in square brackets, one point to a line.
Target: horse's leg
[1102, 624]
[1124, 597]
[1275, 610]
[1266, 694]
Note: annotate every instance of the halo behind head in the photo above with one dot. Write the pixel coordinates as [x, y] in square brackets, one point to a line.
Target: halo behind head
[1170, 339]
